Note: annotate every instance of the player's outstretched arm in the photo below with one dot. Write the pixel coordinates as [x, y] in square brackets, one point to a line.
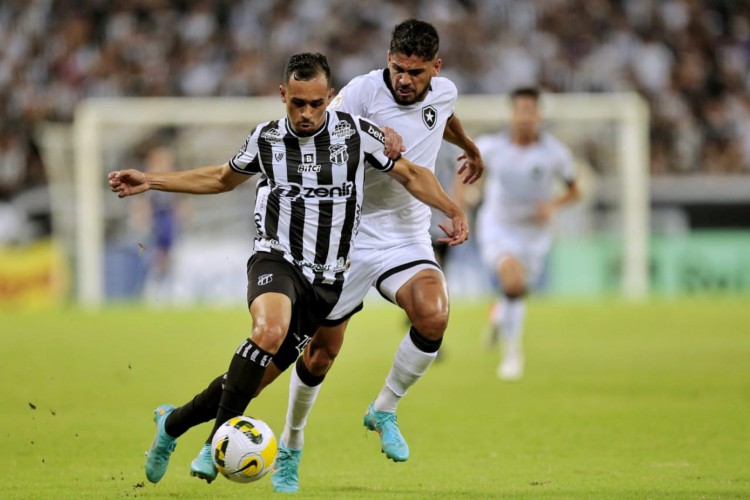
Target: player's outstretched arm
[202, 180]
[424, 186]
[471, 158]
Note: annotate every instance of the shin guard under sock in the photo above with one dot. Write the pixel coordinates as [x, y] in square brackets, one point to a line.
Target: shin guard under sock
[243, 379]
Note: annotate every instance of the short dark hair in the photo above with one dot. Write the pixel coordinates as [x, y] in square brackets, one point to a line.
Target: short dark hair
[531, 92]
[306, 66]
[415, 38]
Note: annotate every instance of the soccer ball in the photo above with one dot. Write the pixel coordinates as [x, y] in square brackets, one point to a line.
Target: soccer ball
[244, 449]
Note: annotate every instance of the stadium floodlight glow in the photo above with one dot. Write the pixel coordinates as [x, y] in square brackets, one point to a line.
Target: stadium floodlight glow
[627, 111]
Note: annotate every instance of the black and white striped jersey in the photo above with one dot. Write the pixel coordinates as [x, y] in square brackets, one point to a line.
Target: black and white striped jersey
[309, 198]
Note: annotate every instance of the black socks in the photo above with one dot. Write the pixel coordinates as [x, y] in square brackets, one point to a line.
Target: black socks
[243, 379]
[201, 409]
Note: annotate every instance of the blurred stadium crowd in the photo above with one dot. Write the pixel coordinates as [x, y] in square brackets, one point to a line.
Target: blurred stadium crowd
[689, 58]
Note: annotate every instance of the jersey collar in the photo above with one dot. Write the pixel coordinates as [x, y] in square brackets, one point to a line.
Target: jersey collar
[291, 131]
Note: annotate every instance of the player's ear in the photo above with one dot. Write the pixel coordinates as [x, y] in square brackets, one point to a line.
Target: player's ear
[282, 93]
[436, 66]
[331, 91]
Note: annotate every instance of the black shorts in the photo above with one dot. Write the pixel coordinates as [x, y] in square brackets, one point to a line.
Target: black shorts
[268, 272]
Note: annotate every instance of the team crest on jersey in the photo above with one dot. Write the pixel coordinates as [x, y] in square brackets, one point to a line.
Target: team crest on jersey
[278, 156]
[343, 130]
[265, 279]
[272, 135]
[339, 155]
[429, 116]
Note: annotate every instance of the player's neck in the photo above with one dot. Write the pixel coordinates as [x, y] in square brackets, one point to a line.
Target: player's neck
[521, 139]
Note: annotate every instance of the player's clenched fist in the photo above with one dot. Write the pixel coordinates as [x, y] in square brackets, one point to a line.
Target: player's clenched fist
[127, 182]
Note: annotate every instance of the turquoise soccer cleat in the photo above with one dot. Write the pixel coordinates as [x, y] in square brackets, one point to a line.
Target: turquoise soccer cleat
[285, 477]
[392, 443]
[157, 457]
[203, 466]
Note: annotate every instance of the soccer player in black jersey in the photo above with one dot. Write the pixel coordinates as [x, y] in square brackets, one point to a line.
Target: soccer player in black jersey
[311, 165]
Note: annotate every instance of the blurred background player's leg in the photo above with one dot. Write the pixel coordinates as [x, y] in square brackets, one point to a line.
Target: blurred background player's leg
[510, 317]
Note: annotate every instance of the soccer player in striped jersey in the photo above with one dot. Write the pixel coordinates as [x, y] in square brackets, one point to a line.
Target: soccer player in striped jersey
[392, 250]
[308, 207]
[514, 219]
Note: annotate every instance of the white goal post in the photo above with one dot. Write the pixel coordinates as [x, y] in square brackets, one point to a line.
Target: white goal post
[628, 111]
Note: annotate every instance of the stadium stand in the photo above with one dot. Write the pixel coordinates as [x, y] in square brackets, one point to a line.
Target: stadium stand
[690, 59]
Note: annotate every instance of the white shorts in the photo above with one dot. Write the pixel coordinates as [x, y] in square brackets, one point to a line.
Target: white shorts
[530, 245]
[387, 269]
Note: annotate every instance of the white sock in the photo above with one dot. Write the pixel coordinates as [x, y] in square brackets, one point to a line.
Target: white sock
[301, 400]
[496, 313]
[408, 366]
[512, 319]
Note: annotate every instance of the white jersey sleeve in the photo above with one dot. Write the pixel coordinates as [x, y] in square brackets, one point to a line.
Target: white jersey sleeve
[355, 97]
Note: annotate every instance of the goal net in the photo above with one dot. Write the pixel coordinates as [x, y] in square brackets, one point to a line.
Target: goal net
[114, 256]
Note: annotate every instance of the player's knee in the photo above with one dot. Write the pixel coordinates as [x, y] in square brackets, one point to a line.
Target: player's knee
[511, 272]
[269, 336]
[513, 285]
[308, 373]
[514, 292]
[431, 323]
[320, 362]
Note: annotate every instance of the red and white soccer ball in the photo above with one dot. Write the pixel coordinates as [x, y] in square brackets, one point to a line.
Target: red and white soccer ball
[244, 449]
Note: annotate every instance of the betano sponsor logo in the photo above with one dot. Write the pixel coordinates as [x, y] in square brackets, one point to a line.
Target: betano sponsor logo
[376, 133]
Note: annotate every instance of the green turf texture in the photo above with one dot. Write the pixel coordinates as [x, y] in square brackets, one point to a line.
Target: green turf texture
[619, 401]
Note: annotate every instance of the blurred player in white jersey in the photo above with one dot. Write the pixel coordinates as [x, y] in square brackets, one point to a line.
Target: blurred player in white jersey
[392, 251]
[514, 220]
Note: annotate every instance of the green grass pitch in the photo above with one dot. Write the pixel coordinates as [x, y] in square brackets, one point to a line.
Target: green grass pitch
[619, 401]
